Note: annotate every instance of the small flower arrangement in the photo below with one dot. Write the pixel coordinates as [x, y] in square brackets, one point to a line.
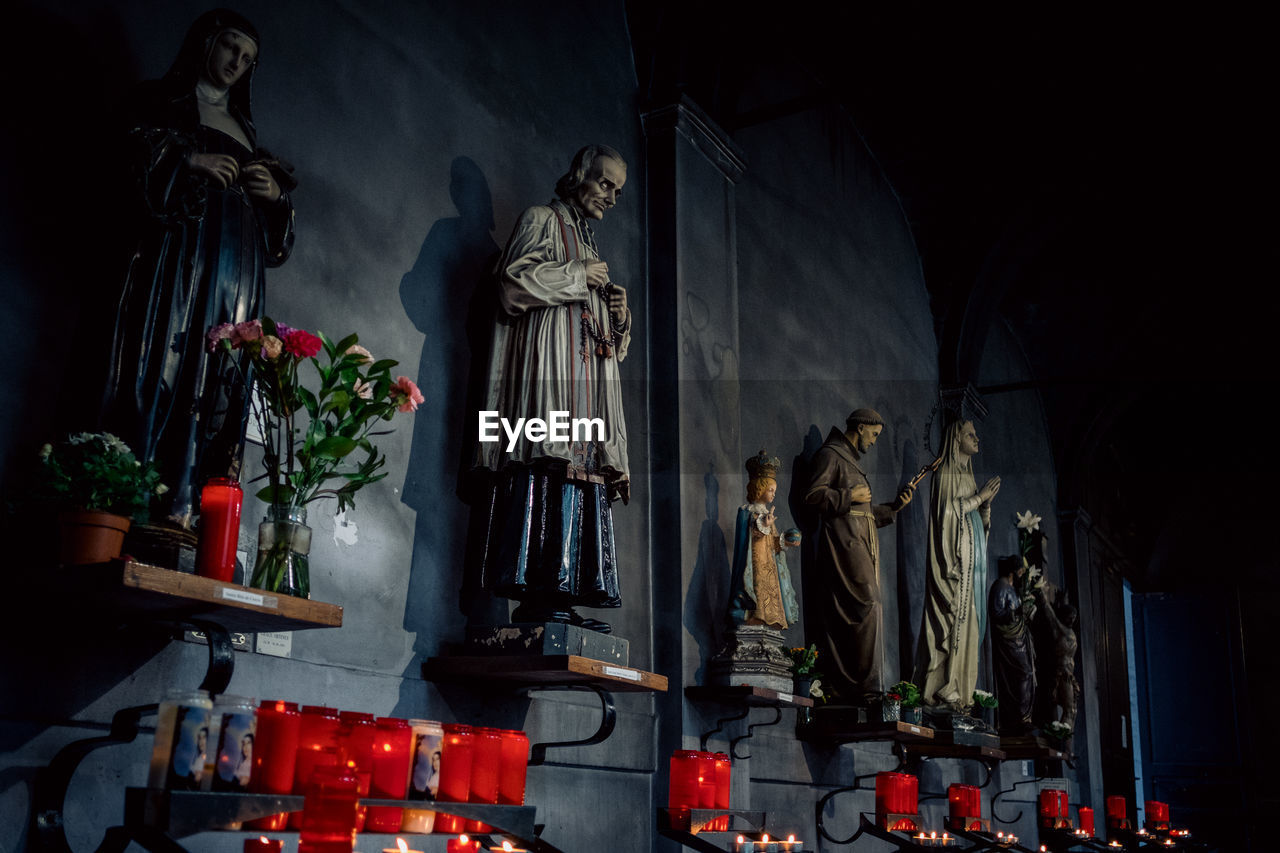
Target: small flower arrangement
[96, 471]
[1057, 730]
[804, 661]
[313, 460]
[983, 699]
[908, 694]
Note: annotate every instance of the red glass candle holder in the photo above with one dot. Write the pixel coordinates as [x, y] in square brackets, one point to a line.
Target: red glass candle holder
[1053, 809]
[683, 793]
[355, 750]
[317, 745]
[462, 844]
[724, 778]
[455, 774]
[486, 768]
[706, 780]
[1117, 810]
[1086, 821]
[262, 844]
[220, 501]
[392, 756]
[329, 810]
[1157, 812]
[964, 807]
[897, 795]
[515, 767]
[275, 750]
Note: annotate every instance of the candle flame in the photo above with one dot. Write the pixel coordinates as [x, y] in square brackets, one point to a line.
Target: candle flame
[404, 848]
[506, 846]
[791, 839]
[464, 839]
[764, 839]
[263, 839]
[741, 838]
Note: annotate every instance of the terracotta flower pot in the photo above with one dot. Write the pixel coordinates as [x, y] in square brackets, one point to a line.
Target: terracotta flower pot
[90, 537]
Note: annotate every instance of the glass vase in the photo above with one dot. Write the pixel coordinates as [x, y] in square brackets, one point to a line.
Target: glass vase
[284, 540]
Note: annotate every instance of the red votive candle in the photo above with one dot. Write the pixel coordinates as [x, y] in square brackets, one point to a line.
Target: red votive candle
[486, 768]
[724, 777]
[317, 745]
[262, 844]
[462, 844]
[1086, 821]
[220, 501]
[455, 774]
[706, 780]
[392, 755]
[355, 750]
[683, 793]
[896, 793]
[275, 749]
[1157, 812]
[515, 767]
[329, 811]
[964, 804]
[1116, 809]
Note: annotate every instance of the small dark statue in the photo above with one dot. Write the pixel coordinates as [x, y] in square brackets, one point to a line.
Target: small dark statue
[1012, 649]
[213, 213]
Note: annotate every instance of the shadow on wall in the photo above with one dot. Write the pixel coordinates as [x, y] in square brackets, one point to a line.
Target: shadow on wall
[808, 522]
[704, 607]
[448, 296]
[912, 527]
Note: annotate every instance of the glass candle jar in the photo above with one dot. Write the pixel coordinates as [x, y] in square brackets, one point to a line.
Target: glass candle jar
[424, 774]
[231, 762]
[1086, 821]
[1117, 808]
[486, 766]
[220, 501]
[355, 748]
[392, 753]
[515, 767]
[455, 774]
[182, 741]
[329, 811]
[1157, 812]
[896, 794]
[275, 752]
[317, 744]
[683, 793]
[724, 778]
[706, 780]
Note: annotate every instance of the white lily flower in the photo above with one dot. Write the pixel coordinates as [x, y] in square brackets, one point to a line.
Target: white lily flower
[1028, 520]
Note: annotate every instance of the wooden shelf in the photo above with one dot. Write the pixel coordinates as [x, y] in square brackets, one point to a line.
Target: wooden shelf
[834, 729]
[532, 670]
[1027, 746]
[130, 588]
[746, 694]
[935, 749]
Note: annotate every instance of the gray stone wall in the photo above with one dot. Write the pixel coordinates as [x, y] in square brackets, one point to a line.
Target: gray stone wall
[784, 297]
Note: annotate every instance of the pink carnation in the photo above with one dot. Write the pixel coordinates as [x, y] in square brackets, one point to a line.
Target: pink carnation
[219, 333]
[407, 394]
[246, 332]
[302, 344]
[363, 390]
[366, 357]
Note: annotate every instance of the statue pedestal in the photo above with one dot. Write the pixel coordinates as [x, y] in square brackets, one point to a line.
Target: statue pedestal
[754, 656]
[547, 638]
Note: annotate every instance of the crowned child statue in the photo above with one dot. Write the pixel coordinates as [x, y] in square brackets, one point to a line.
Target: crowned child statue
[762, 602]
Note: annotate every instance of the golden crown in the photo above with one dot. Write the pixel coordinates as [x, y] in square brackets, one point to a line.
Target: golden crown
[763, 465]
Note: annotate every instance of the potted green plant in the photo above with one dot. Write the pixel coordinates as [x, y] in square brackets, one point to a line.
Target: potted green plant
[313, 416]
[909, 701]
[984, 704]
[1058, 733]
[805, 672]
[97, 487]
